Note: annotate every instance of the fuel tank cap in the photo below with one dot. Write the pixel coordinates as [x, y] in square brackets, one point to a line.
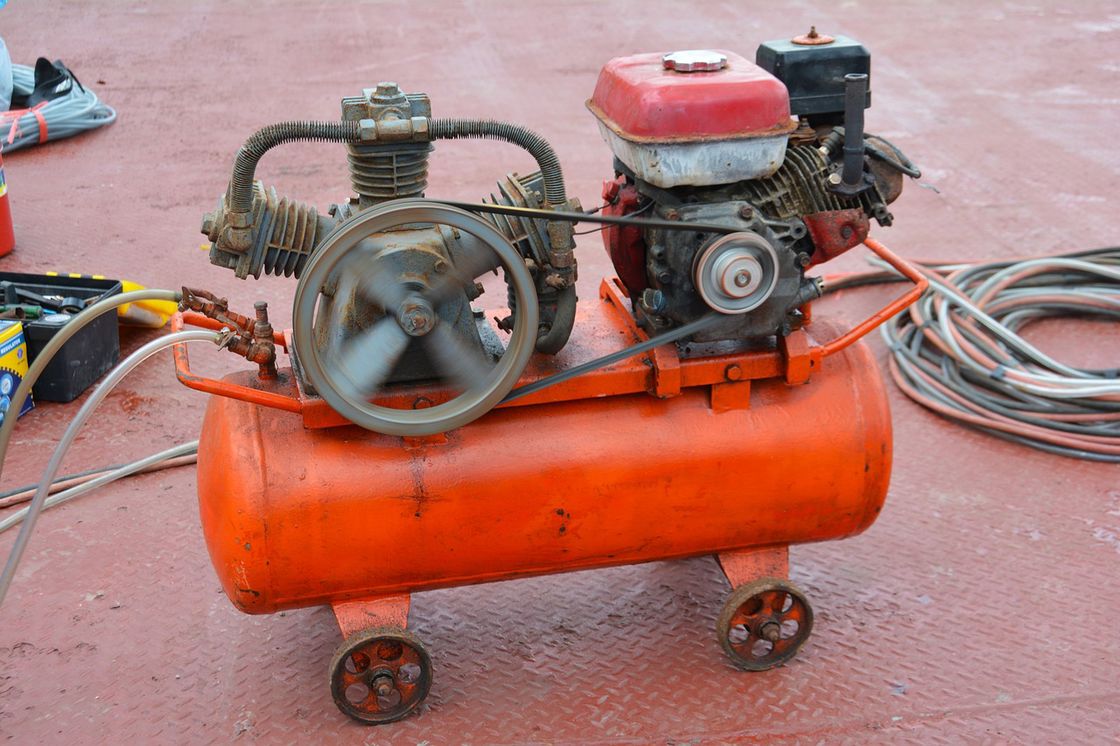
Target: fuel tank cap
[694, 61]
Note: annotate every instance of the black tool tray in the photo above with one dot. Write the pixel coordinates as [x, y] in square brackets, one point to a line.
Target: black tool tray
[88, 354]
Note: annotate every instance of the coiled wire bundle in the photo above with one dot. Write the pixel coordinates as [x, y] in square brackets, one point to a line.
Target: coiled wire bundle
[72, 112]
[958, 351]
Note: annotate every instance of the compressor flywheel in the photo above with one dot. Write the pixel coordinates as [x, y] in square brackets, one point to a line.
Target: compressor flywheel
[365, 301]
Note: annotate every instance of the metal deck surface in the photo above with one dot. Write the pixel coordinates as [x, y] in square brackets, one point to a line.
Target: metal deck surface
[981, 607]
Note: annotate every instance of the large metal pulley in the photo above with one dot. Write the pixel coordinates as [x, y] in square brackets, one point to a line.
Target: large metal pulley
[359, 308]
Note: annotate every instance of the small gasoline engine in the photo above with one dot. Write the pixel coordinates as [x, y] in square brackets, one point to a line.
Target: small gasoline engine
[453, 413]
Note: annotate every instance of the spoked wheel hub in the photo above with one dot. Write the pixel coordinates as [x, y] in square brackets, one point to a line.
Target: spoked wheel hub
[764, 623]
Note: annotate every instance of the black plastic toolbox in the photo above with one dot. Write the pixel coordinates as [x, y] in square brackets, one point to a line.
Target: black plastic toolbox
[88, 354]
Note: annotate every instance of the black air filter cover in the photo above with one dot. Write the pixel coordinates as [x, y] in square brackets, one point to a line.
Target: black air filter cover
[814, 74]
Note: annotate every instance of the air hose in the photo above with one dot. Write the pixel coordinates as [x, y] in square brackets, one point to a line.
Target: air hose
[98, 395]
[148, 463]
[72, 327]
[958, 350]
[71, 481]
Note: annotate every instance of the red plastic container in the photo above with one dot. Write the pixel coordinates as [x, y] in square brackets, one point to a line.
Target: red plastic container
[7, 233]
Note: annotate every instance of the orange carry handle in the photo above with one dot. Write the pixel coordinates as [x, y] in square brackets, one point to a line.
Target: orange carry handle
[221, 387]
[903, 267]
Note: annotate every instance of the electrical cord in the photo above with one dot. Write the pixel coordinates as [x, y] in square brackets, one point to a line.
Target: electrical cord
[958, 350]
[114, 377]
[72, 112]
[639, 211]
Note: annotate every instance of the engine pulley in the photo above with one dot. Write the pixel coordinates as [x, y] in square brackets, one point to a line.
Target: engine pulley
[736, 273]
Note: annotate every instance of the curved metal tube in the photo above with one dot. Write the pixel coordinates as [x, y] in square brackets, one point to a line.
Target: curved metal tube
[523, 137]
[240, 192]
[557, 336]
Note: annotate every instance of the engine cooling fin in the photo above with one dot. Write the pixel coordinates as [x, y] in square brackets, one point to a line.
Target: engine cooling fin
[800, 187]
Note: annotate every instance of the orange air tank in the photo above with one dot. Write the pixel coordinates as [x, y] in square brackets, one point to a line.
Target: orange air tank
[297, 517]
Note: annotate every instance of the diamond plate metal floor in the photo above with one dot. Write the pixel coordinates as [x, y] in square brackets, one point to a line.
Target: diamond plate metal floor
[981, 607]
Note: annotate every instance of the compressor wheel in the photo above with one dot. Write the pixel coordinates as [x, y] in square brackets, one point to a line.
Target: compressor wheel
[348, 353]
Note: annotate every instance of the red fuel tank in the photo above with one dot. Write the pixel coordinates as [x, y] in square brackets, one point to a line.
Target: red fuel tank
[693, 117]
[297, 517]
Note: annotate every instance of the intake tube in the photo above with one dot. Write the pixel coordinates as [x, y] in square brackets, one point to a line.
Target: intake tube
[553, 340]
[560, 234]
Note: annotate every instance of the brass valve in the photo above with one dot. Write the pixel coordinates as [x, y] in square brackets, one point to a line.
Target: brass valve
[251, 338]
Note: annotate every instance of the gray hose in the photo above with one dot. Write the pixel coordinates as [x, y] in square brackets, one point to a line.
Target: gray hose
[127, 470]
[240, 194]
[534, 144]
[71, 328]
[99, 394]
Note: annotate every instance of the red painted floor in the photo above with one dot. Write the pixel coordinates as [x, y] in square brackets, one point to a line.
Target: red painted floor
[981, 607]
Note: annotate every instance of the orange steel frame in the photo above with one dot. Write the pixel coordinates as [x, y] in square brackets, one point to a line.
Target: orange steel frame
[660, 372]
[739, 568]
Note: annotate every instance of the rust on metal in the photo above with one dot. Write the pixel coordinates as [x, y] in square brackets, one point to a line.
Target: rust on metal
[265, 398]
[804, 134]
[251, 338]
[386, 611]
[783, 128]
[835, 231]
[749, 565]
[380, 675]
[764, 623]
[813, 38]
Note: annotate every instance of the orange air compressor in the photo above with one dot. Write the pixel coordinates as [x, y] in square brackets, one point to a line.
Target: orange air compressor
[449, 408]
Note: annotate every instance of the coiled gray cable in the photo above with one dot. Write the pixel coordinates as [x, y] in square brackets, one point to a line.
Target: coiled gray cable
[76, 111]
[958, 350]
